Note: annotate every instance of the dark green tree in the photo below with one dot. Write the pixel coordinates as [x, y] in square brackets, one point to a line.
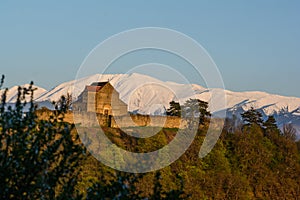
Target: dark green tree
[158, 192]
[38, 158]
[251, 117]
[122, 187]
[271, 128]
[196, 108]
[175, 109]
[270, 123]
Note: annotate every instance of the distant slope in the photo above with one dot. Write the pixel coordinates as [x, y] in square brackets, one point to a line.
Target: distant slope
[12, 93]
[140, 91]
[148, 95]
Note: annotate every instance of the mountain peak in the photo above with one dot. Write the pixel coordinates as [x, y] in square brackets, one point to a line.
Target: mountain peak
[140, 91]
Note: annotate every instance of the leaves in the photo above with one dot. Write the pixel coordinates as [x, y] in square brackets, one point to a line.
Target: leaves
[37, 157]
[251, 117]
[43, 158]
[175, 109]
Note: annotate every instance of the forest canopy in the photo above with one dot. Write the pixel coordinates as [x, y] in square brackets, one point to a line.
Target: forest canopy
[45, 159]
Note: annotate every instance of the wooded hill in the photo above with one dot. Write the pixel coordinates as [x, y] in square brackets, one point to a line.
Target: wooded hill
[44, 159]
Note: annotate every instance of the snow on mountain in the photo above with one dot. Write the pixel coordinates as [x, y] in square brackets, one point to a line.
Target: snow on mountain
[12, 93]
[148, 95]
[142, 92]
[139, 91]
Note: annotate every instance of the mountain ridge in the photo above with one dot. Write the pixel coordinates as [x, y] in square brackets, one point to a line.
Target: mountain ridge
[148, 95]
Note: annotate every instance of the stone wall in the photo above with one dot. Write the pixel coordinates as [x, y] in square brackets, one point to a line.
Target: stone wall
[146, 120]
[92, 119]
[89, 119]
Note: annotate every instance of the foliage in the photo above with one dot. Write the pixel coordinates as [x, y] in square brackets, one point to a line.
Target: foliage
[38, 158]
[197, 107]
[252, 116]
[43, 159]
[191, 108]
[175, 109]
[289, 132]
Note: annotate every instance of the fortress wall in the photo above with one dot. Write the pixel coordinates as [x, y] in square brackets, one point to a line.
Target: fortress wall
[146, 120]
[87, 119]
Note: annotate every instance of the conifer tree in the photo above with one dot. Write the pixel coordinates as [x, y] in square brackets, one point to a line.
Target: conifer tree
[252, 117]
[196, 108]
[270, 127]
[174, 109]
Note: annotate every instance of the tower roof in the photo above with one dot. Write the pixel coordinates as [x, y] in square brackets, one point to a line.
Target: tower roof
[99, 83]
[96, 86]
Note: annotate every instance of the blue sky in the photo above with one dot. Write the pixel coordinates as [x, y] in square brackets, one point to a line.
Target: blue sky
[255, 44]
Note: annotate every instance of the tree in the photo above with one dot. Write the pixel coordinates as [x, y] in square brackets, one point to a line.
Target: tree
[64, 104]
[120, 188]
[174, 109]
[270, 123]
[270, 127]
[252, 117]
[232, 124]
[158, 192]
[196, 108]
[38, 158]
[289, 132]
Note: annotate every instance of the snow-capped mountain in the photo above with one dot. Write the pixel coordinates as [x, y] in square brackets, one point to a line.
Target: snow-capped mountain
[148, 95]
[12, 93]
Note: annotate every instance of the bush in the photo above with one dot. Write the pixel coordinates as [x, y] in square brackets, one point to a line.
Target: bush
[38, 158]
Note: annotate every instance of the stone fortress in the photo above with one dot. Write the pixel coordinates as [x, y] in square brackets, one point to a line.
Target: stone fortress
[100, 99]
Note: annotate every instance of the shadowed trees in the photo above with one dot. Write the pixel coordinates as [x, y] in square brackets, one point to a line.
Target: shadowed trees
[251, 117]
[44, 159]
[38, 158]
[174, 110]
[194, 108]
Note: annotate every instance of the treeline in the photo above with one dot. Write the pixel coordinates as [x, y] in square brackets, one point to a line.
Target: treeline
[44, 159]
